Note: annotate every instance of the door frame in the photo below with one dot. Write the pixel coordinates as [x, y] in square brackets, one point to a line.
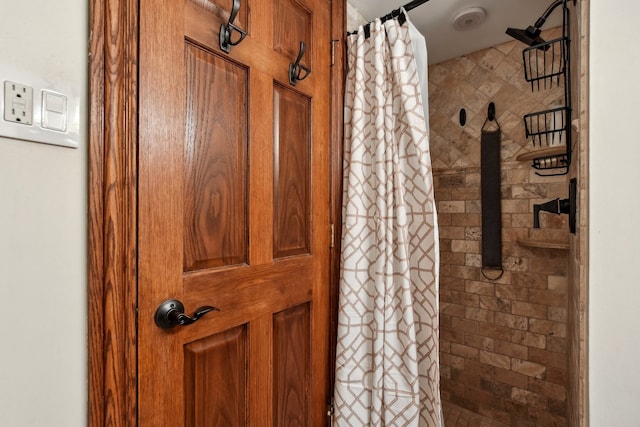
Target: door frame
[112, 246]
[112, 187]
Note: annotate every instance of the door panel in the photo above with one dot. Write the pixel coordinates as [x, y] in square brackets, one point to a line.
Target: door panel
[233, 213]
[292, 140]
[216, 161]
[291, 366]
[216, 379]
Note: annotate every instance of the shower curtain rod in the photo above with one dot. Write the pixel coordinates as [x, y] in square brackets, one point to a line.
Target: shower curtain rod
[393, 14]
[414, 4]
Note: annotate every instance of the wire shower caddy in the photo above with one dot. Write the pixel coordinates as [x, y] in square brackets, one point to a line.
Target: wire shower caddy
[547, 65]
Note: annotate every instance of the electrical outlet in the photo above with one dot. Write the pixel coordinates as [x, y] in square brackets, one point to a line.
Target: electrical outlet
[18, 103]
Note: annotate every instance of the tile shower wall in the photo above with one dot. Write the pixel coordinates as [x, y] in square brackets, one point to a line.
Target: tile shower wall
[503, 342]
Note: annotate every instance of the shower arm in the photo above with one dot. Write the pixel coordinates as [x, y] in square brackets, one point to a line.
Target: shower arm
[540, 22]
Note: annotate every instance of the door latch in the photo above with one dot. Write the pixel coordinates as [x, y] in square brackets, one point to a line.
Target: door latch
[171, 313]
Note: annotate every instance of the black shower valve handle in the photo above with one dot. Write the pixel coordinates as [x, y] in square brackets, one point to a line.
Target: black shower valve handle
[557, 206]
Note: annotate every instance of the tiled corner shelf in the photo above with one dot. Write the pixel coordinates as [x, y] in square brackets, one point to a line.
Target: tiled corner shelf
[544, 244]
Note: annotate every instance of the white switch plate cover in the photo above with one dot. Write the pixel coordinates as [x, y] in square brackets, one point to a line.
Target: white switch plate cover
[36, 132]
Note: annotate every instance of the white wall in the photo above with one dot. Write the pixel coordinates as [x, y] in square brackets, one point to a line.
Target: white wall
[43, 203]
[614, 224]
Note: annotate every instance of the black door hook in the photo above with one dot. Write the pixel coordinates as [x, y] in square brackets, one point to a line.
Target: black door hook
[227, 30]
[297, 71]
[491, 116]
[491, 111]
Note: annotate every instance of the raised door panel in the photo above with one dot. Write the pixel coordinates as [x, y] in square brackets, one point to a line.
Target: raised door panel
[291, 349]
[292, 180]
[216, 166]
[216, 380]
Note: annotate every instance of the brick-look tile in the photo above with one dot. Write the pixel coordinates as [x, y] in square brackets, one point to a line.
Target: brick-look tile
[444, 219]
[479, 342]
[511, 349]
[495, 304]
[453, 258]
[494, 359]
[479, 314]
[454, 310]
[466, 246]
[464, 351]
[466, 299]
[473, 206]
[450, 335]
[455, 416]
[473, 260]
[456, 362]
[465, 325]
[547, 327]
[531, 280]
[529, 339]
[473, 233]
[507, 376]
[479, 288]
[558, 283]
[451, 283]
[512, 321]
[528, 398]
[548, 358]
[551, 390]
[550, 298]
[466, 220]
[557, 345]
[512, 263]
[530, 310]
[451, 207]
[451, 232]
[517, 293]
[494, 331]
[557, 314]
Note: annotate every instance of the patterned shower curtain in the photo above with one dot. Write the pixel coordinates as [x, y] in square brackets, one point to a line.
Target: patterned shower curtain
[387, 371]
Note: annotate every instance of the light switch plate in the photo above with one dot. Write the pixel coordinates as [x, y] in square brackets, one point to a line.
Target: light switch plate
[51, 108]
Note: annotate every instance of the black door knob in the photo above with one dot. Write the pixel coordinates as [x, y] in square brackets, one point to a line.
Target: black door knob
[171, 313]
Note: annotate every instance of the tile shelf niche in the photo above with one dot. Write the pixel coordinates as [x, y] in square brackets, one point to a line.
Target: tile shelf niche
[544, 244]
[547, 65]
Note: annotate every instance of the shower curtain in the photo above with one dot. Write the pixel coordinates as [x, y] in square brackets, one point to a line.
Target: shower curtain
[387, 371]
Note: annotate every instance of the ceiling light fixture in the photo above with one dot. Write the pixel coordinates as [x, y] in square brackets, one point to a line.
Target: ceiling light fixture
[469, 18]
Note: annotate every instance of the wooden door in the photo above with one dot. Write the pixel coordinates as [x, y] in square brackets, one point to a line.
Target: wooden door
[233, 204]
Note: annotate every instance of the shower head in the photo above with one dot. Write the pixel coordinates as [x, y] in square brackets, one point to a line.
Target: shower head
[531, 36]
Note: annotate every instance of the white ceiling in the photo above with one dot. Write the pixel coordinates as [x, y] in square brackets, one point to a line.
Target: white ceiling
[434, 20]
